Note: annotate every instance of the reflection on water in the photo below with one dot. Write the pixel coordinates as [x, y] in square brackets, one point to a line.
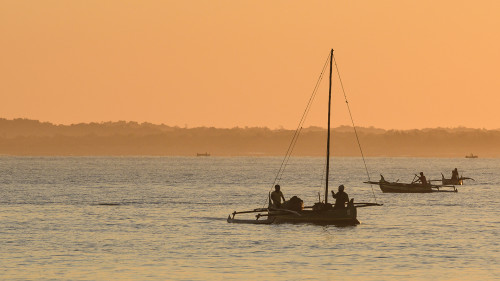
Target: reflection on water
[163, 218]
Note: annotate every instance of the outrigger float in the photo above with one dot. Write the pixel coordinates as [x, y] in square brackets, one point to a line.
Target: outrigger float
[322, 212]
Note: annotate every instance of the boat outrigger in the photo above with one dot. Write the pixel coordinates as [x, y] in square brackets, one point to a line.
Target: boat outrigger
[321, 212]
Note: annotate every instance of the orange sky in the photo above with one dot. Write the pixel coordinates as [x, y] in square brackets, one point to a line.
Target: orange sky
[404, 64]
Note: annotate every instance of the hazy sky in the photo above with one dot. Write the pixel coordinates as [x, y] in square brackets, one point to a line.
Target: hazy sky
[404, 64]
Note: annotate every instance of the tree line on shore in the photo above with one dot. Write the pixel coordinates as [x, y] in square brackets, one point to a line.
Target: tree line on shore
[35, 138]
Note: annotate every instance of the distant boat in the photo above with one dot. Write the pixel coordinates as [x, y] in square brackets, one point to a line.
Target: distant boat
[203, 154]
[471, 156]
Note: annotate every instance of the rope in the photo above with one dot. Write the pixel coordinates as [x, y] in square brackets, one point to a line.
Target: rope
[295, 137]
[354, 127]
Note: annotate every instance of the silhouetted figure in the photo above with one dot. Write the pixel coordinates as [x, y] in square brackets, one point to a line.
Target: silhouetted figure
[454, 175]
[340, 198]
[276, 196]
[422, 179]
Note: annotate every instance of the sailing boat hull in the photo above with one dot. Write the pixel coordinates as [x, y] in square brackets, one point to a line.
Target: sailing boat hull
[326, 217]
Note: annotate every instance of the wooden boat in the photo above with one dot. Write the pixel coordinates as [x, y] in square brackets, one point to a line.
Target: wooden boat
[470, 156]
[322, 212]
[323, 216]
[451, 181]
[203, 154]
[394, 187]
[413, 187]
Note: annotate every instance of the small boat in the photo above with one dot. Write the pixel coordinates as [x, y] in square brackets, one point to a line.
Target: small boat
[318, 214]
[322, 213]
[451, 181]
[203, 154]
[454, 180]
[470, 156]
[413, 187]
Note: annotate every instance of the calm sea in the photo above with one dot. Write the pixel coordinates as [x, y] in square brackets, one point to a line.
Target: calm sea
[164, 218]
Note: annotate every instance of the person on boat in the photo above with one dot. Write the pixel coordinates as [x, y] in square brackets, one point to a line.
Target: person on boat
[454, 175]
[340, 198]
[422, 179]
[276, 196]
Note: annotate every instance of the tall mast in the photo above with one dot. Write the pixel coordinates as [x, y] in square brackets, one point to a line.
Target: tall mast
[328, 132]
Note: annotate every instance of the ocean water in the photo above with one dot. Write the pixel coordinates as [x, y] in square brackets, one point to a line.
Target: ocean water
[164, 218]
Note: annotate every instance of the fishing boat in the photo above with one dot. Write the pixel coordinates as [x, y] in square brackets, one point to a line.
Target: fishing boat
[452, 181]
[455, 179]
[321, 212]
[470, 156]
[413, 187]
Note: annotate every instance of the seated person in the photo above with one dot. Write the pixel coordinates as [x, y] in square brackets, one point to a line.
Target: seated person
[422, 179]
[276, 196]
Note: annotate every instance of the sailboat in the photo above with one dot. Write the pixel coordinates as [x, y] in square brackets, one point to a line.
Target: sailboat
[321, 212]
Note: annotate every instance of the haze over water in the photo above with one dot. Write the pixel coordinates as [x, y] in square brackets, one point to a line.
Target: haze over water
[163, 218]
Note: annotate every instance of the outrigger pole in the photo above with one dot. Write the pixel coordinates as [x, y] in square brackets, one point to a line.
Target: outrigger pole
[328, 137]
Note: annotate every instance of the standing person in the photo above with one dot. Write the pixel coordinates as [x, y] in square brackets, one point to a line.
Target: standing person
[340, 198]
[276, 196]
[422, 179]
[454, 175]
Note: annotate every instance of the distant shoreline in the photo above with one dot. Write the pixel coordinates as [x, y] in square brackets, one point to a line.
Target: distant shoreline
[23, 137]
[225, 156]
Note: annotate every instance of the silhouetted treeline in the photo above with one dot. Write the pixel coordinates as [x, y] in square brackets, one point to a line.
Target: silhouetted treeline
[30, 137]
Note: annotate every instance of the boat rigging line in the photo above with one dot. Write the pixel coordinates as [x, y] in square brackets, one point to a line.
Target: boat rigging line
[296, 134]
[354, 126]
[295, 137]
